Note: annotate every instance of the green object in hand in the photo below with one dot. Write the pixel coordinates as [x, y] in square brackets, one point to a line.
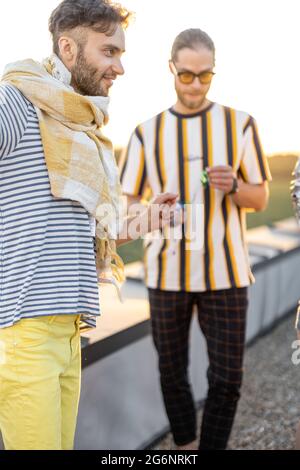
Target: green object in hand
[204, 178]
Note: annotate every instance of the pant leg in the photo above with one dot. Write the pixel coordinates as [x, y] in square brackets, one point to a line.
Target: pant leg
[36, 356]
[171, 314]
[30, 411]
[70, 384]
[222, 318]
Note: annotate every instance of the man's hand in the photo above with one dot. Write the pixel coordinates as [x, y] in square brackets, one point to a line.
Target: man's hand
[221, 177]
[161, 210]
[248, 196]
[156, 215]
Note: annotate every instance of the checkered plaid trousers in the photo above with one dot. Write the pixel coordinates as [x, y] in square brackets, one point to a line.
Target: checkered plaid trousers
[222, 319]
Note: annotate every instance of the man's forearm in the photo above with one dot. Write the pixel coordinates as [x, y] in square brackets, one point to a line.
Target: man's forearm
[136, 216]
[252, 196]
[133, 228]
[135, 205]
[147, 218]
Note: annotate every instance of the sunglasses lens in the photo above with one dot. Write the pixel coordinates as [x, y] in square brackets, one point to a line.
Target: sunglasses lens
[206, 77]
[186, 77]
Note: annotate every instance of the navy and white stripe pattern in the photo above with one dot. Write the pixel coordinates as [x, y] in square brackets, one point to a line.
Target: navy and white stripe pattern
[47, 258]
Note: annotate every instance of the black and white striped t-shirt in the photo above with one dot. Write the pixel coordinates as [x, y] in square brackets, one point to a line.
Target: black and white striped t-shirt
[47, 259]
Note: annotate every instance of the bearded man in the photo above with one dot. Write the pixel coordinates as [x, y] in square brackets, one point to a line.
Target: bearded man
[60, 219]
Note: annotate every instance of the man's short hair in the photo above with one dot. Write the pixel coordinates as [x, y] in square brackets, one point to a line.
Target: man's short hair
[102, 16]
[192, 38]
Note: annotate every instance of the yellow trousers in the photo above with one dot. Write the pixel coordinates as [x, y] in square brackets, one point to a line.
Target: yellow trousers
[40, 373]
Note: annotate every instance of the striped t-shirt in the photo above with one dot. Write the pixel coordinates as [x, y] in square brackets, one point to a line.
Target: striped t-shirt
[169, 153]
[47, 258]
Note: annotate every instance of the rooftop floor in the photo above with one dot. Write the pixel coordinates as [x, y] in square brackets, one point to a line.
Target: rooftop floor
[269, 408]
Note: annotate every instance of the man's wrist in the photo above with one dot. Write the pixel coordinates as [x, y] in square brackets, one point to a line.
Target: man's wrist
[235, 187]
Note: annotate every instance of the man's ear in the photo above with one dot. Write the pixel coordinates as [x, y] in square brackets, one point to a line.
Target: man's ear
[68, 50]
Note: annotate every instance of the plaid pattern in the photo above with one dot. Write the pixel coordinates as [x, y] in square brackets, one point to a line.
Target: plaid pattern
[222, 318]
[79, 159]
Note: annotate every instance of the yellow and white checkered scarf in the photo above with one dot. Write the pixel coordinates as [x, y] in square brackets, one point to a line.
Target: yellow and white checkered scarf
[80, 160]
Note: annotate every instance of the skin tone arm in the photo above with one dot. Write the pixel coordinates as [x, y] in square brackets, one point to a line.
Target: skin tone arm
[148, 218]
[249, 196]
[134, 204]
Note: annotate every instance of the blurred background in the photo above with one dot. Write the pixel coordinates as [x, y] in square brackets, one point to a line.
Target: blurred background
[258, 71]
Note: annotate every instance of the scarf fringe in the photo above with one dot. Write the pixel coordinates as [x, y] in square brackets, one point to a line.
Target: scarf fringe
[108, 261]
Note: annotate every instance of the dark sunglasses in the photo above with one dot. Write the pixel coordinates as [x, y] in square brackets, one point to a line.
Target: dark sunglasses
[187, 77]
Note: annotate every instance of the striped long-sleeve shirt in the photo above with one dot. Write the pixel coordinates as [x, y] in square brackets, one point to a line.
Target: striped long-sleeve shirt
[168, 153]
[47, 259]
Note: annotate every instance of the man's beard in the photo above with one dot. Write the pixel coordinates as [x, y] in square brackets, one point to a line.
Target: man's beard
[191, 104]
[85, 77]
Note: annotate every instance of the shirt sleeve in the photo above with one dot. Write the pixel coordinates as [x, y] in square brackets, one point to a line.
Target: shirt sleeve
[13, 118]
[254, 167]
[133, 166]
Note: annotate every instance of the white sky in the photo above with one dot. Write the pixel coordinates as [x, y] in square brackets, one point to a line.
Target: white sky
[258, 66]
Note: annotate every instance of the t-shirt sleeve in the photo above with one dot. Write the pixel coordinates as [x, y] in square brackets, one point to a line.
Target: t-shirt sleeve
[13, 118]
[254, 167]
[133, 165]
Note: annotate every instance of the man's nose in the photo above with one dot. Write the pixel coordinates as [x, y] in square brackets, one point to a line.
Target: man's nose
[118, 67]
[197, 85]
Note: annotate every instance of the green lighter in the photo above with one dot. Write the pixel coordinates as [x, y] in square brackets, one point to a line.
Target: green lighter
[204, 178]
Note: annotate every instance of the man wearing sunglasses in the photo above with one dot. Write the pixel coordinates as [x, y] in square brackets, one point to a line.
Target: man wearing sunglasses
[211, 156]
